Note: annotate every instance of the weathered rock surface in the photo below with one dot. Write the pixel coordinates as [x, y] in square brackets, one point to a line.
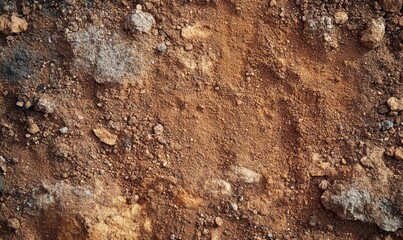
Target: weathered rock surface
[372, 36]
[376, 199]
[108, 57]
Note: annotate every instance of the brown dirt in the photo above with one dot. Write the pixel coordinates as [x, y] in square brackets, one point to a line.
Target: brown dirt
[257, 108]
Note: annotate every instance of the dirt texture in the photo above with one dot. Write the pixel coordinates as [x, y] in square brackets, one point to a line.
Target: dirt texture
[201, 119]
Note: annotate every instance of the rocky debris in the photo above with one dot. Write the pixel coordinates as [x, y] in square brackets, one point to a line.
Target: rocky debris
[245, 174]
[374, 199]
[372, 36]
[395, 104]
[45, 105]
[13, 24]
[340, 17]
[105, 136]
[159, 129]
[392, 5]
[106, 56]
[140, 21]
[319, 29]
[32, 128]
[364, 204]
[399, 153]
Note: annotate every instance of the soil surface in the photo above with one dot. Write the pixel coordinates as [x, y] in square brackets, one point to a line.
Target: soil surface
[201, 119]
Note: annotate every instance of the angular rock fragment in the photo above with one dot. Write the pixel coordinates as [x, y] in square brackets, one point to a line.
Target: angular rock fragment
[357, 202]
[105, 136]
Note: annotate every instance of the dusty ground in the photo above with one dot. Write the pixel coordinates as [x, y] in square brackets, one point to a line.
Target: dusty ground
[201, 119]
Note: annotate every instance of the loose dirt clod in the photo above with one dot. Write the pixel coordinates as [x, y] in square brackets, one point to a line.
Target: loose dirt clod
[392, 5]
[13, 24]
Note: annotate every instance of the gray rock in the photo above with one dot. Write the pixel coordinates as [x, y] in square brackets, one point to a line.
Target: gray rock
[16, 64]
[63, 130]
[373, 196]
[359, 203]
[106, 56]
[162, 47]
[386, 125]
[140, 21]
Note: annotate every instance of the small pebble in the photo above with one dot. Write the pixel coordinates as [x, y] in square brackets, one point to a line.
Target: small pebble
[63, 130]
[324, 184]
[218, 221]
[383, 109]
[19, 103]
[188, 47]
[234, 206]
[162, 47]
[158, 129]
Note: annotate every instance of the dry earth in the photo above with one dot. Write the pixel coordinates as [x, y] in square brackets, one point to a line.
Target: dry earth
[201, 119]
